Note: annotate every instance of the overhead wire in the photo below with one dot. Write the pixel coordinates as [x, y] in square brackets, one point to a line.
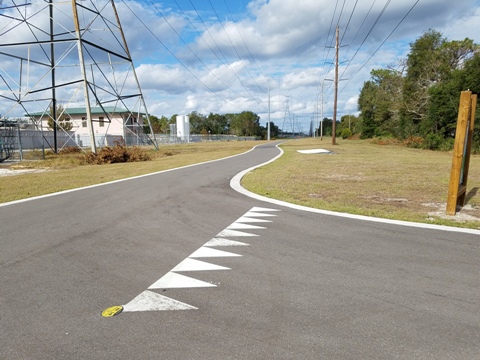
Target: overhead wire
[326, 41]
[321, 81]
[188, 47]
[384, 41]
[348, 23]
[334, 17]
[193, 52]
[345, 30]
[341, 12]
[233, 46]
[243, 39]
[369, 32]
[368, 35]
[175, 57]
[245, 44]
[221, 52]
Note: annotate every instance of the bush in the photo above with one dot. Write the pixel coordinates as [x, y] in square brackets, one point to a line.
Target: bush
[384, 140]
[447, 144]
[117, 154]
[414, 142]
[70, 150]
[475, 147]
[346, 133]
[432, 142]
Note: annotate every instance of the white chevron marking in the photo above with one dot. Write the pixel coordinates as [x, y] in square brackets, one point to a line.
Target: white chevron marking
[197, 265]
[173, 280]
[151, 301]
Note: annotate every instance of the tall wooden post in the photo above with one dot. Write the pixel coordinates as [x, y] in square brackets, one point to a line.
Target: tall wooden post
[461, 152]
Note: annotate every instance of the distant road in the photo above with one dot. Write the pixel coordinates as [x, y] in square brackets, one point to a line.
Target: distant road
[204, 272]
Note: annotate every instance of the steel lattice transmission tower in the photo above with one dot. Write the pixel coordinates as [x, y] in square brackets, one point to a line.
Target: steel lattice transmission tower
[288, 117]
[69, 53]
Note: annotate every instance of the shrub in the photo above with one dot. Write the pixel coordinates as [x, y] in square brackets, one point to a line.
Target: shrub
[384, 141]
[70, 150]
[475, 145]
[346, 133]
[413, 142]
[432, 142]
[117, 154]
[447, 144]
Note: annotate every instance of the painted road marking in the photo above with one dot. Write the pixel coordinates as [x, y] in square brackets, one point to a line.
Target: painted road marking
[242, 226]
[206, 251]
[173, 280]
[197, 265]
[257, 214]
[151, 301]
[245, 219]
[228, 233]
[256, 208]
[224, 242]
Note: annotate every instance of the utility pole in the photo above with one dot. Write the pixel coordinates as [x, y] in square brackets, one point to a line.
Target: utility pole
[321, 116]
[334, 142]
[314, 119]
[268, 125]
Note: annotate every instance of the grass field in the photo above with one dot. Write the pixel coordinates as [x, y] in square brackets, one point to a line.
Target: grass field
[361, 177]
[388, 181]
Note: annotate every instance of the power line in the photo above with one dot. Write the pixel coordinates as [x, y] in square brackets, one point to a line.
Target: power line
[370, 31]
[349, 19]
[326, 41]
[176, 58]
[221, 52]
[384, 41]
[243, 39]
[233, 46]
[191, 50]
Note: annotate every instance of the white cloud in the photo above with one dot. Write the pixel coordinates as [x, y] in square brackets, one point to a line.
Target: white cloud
[226, 65]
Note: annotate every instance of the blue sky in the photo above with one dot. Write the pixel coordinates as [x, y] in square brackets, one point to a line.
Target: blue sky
[221, 56]
[227, 53]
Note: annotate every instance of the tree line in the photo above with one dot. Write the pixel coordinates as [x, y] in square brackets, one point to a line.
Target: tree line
[246, 123]
[417, 100]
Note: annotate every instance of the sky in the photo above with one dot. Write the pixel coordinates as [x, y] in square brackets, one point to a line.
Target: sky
[229, 56]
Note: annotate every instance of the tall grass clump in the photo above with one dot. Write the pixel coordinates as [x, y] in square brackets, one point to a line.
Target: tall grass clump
[120, 153]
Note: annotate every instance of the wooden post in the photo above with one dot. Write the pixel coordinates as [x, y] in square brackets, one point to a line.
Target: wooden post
[468, 149]
[461, 152]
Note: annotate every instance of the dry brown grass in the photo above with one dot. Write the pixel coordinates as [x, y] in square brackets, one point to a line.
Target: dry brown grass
[68, 171]
[388, 181]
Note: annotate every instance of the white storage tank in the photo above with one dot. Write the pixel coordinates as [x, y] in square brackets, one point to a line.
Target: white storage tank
[180, 127]
[187, 127]
[183, 127]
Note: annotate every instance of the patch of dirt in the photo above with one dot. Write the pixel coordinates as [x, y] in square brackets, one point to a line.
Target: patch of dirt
[466, 213]
[13, 172]
[379, 199]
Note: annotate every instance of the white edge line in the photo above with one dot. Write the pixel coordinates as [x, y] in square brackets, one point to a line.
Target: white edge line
[119, 180]
[235, 185]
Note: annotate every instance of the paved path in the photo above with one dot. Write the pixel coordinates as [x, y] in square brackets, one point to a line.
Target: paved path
[204, 272]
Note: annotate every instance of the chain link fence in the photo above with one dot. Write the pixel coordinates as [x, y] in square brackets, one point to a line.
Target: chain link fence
[19, 144]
